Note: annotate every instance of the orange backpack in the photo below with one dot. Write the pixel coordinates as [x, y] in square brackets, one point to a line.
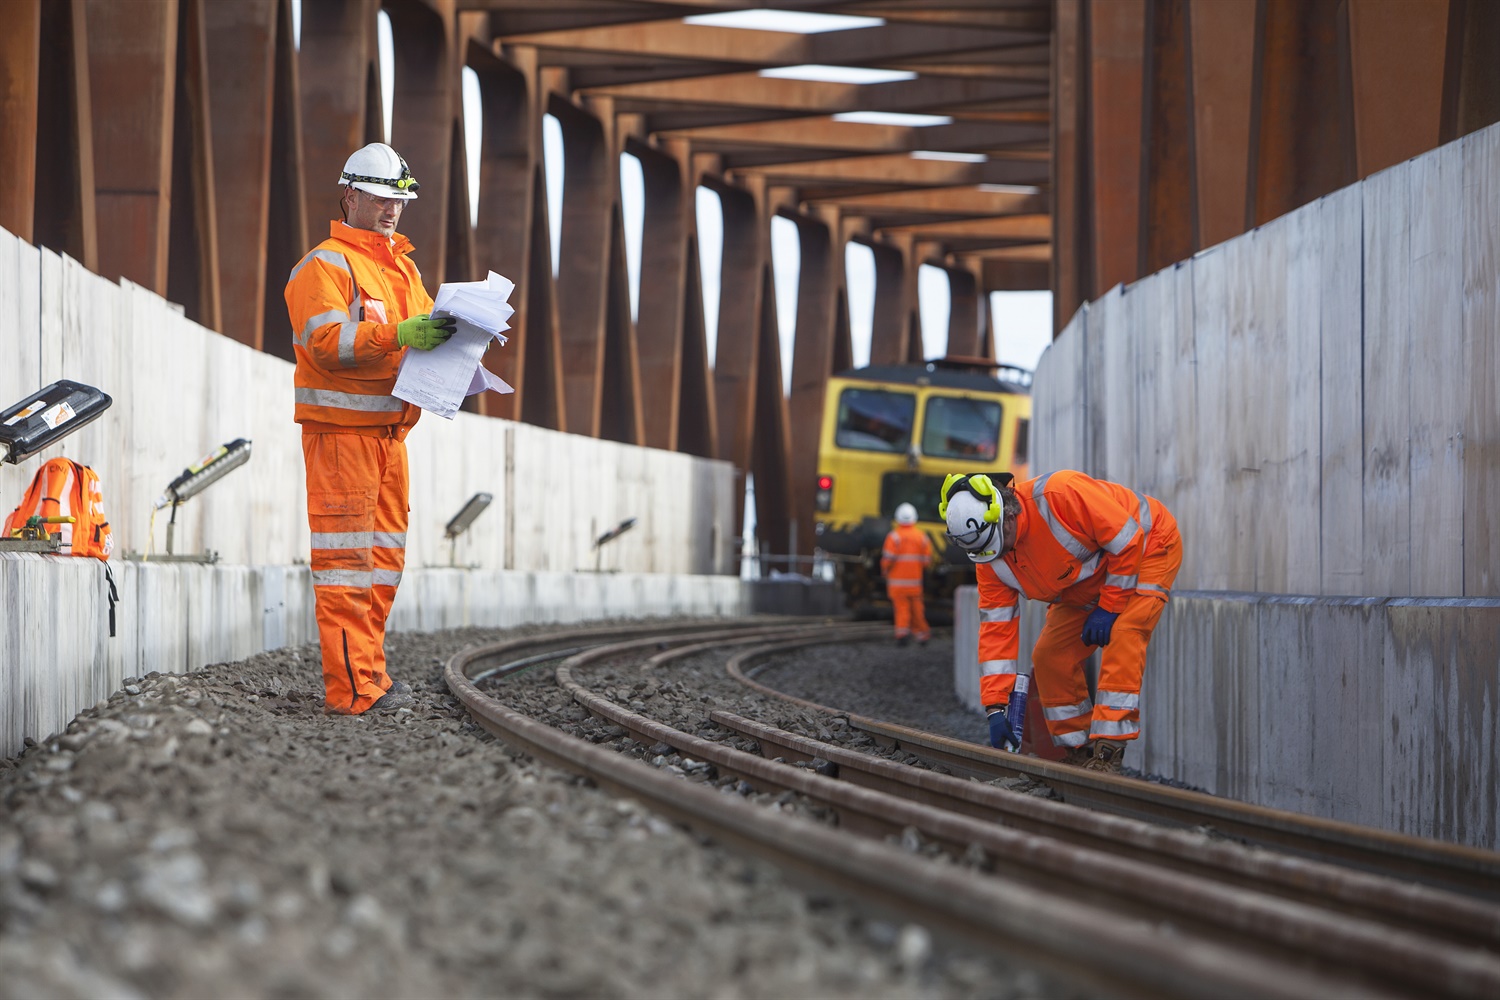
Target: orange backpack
[62, 488]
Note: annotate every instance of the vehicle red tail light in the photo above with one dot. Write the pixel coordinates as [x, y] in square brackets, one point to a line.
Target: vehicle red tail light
[823, 499]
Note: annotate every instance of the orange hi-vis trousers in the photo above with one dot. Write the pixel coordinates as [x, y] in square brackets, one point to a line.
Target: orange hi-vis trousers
[910, 608]
[357, 490]
[1073, 718]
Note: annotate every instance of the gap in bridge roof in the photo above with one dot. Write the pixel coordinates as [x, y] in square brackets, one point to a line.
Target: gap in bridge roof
[798, 22]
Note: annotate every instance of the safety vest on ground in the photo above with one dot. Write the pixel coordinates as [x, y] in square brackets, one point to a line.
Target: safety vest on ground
[906, 553]
[344, 300]
[1079, 541]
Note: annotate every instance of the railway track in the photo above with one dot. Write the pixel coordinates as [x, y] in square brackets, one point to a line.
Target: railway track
[1107, 884]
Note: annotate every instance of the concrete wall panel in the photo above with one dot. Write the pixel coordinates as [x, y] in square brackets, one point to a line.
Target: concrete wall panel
[1379, 711]
[1481, 305]
[179, 617]
[180, 391]
[1319, 413]
[1439, 388]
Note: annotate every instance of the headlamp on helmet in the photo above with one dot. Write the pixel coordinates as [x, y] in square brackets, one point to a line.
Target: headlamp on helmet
[975, 515]
[379, 170]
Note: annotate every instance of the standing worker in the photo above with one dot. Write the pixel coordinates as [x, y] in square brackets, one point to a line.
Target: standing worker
[906, 555]
[1104, 557]
[356, 302]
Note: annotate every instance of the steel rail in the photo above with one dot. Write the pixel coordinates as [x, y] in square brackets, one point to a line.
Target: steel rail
[1406, 905]
[1287, 929]
[1456, 868]
[1128, 956]
[1412, 906]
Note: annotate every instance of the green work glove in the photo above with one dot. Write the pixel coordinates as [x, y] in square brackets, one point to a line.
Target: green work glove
[423, 332]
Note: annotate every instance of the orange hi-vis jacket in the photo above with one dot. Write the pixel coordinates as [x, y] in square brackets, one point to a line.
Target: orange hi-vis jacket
[1080, 542]
[344, 300]
[906, 553]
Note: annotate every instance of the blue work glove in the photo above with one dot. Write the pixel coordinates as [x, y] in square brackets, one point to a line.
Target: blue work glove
[423, 332]
[1096, 629]
[1002, 735]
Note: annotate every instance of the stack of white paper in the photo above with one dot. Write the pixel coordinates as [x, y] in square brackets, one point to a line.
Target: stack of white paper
[439, 379]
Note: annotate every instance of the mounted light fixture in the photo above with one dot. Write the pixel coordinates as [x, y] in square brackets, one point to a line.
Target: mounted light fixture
[461, 521]
[194, 480]
[40, 420]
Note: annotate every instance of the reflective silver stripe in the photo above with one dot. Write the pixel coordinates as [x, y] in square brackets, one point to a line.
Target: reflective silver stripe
[1060, 712]
[1117, 544]
[904, 584]
[998, 614]
[332, 256]
[348, 400]
[341, 539]
[1123, 582]
[341, 578]
[1071, 739]
[1075, 547]
[1144, 514]
[1128, 700]
[1156, 587]
[321, 319]
[1088, 569]
[389, 540]
[908, 558]
[346, 344]
[1108, 727]
[387, 577]
[1003, 571]
[989, 668]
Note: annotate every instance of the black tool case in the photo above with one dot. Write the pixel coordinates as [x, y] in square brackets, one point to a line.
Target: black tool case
[47, 416]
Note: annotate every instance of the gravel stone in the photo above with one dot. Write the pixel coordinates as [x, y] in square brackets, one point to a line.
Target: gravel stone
[214, 834]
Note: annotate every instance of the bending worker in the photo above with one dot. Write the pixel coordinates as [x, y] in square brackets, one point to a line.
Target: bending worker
[1104, 557]
[356, 303]
[905, 556]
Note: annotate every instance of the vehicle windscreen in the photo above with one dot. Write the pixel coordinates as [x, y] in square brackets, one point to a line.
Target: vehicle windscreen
[875, 420]
[961, 428]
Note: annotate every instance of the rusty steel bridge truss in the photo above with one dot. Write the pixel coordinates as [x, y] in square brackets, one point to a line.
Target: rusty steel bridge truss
[192, 147]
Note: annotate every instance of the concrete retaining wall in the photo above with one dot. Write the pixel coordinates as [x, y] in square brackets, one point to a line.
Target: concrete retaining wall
[56, 656]
[181, 390]
[1315, 400]
[1381, 711]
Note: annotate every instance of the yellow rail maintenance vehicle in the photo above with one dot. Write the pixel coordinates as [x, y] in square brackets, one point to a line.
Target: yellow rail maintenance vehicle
[890, 434]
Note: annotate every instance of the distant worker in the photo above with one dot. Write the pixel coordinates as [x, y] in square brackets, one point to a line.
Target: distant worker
[1104, 557]
[906, 555]
[356, 302]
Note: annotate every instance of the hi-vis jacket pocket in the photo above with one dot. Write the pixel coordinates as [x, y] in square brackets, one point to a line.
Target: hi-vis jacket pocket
[342, 503]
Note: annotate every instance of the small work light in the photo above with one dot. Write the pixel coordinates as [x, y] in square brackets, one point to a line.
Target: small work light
[608, 537]
[461, 521]
[194, 480]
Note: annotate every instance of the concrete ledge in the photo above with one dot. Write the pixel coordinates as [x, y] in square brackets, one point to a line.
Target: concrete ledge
[793, 595]
[57, 657]
[1373, 710]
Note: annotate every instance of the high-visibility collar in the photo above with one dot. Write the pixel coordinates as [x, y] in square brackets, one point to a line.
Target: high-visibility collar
[367, 239]
[1023, 524]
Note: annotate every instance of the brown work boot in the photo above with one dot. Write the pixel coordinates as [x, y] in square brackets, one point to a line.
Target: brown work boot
[1108, 756]
[1078, 756]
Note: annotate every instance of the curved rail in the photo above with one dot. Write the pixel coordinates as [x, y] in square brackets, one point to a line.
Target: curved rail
[1181, 962]
[1452, 867]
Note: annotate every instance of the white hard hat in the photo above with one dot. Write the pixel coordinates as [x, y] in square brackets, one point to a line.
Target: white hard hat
[969, 528]
[379, 170]
[906, 514]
